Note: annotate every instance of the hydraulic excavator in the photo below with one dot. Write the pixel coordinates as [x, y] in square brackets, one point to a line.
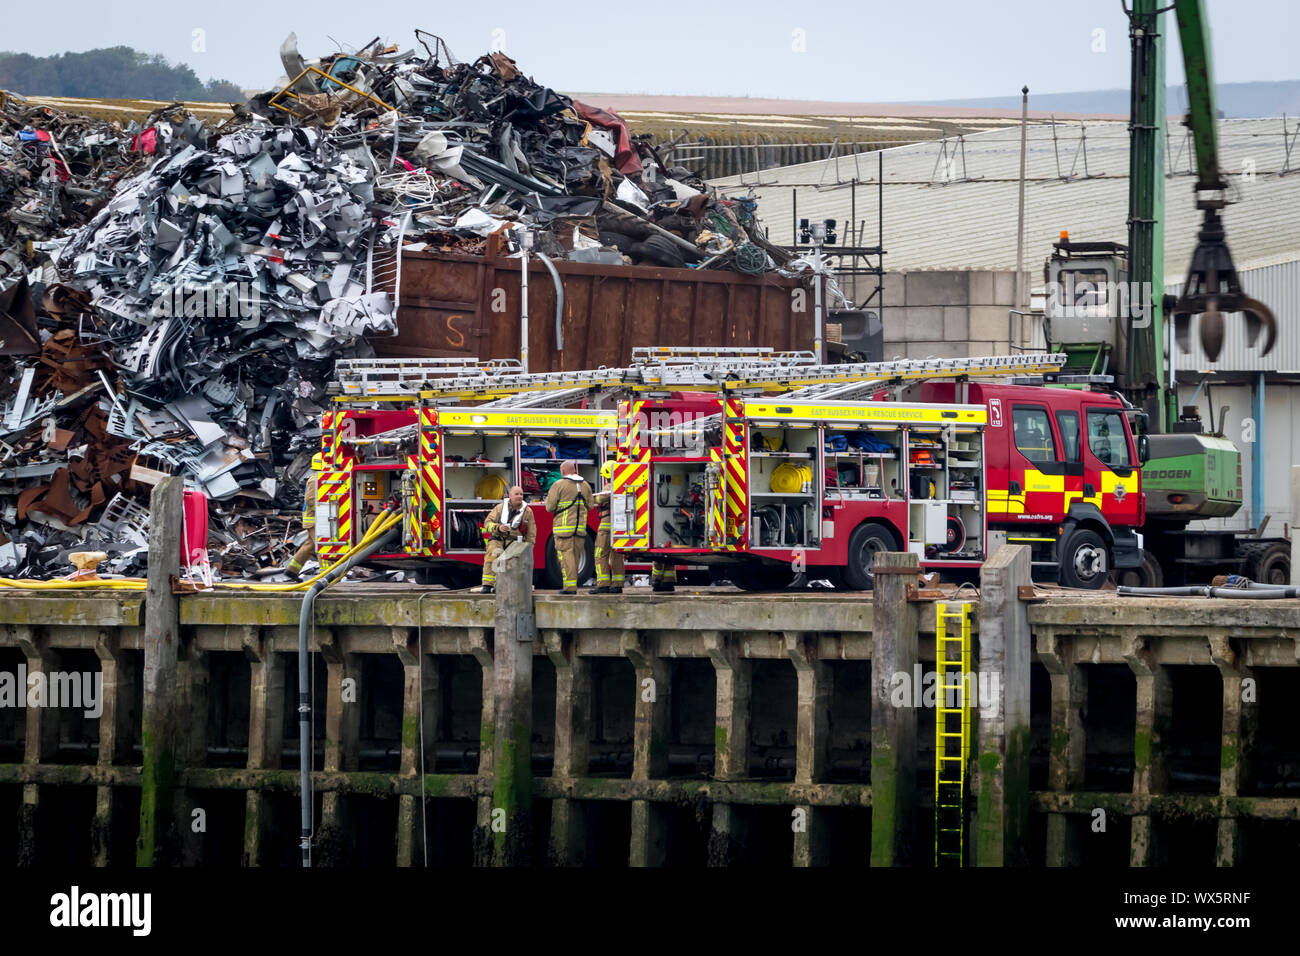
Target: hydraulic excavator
[1190, 473]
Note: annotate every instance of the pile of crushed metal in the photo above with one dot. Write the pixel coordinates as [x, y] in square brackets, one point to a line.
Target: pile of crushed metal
[173, 297]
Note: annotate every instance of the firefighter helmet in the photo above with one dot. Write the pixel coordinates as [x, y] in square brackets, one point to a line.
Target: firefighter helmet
[607, 470]
[317, 462]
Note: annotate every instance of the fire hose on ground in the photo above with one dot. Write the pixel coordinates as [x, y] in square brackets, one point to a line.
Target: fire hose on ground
[1250, 592]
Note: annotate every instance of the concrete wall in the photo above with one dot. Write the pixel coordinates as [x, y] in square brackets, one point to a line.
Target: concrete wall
[778, 664]
[949, 314]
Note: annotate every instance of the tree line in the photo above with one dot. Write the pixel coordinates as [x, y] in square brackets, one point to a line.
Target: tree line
[118, 72]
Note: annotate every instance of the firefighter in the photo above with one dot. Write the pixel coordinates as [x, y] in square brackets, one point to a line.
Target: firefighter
[512, 520]
[569, 500]
[308, 549]
[663, 576]
[609, 563]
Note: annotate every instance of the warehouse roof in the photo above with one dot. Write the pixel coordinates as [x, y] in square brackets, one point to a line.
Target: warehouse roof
[952, 204]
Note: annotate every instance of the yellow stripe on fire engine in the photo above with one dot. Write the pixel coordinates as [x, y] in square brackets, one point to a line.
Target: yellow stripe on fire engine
[1000, 502]
[566, 420]
[867, 412]
[1038, 482]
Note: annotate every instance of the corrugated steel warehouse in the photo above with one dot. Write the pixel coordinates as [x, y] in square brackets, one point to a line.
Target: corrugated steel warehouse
[952, 204]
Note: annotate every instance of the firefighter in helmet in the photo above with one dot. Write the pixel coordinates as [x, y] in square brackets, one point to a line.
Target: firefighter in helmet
[307, 550]
[609, 563]
[569, 500]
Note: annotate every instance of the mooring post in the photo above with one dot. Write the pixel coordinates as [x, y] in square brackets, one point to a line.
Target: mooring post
[572, 705]
[1002, 756]
[480, 643]
[419, 729]
[42, 739]
[650, 739]
[1069, 700]
[812, 744]
[894, 660]
[161, 652]
[1238, 740]
[733, 676]
[1154, 703]
[120, 674]
[515, 626]
[266, 671]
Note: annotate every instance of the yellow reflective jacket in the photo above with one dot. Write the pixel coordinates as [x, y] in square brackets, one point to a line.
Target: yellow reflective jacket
[309, 501]
[569, 500]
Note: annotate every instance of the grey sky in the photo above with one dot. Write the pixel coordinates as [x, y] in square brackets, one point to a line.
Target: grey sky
[875, 51]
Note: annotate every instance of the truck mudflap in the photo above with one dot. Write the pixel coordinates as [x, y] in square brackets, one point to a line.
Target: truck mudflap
[1126, 550]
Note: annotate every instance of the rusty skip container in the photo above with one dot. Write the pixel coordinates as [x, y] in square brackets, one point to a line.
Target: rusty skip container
[456, 305]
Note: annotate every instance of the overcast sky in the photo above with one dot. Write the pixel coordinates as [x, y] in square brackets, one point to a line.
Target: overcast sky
[864, 51]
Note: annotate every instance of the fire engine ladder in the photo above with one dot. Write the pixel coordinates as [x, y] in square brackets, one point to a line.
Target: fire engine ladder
[663, 369]
[376, 377]
[847, 382]
[701, 362]
[850, 381]
[507, 385]
[952, 732]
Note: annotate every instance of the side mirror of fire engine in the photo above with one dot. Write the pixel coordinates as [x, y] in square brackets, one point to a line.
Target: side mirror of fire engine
[1144, 449]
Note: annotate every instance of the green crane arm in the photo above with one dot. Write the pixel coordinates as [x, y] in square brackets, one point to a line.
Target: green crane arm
[1212, 289]
[1202, 118]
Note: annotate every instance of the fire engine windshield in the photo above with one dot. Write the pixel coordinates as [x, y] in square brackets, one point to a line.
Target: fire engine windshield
[1107, 438]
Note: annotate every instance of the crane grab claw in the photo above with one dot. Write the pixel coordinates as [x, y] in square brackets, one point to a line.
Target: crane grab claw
[1213, 290]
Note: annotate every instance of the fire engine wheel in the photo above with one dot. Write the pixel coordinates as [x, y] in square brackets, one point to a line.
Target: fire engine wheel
[1268, 563]
[865, 543]
[554, 575]
[762, 577]
[1083, 560]
[1146, 575]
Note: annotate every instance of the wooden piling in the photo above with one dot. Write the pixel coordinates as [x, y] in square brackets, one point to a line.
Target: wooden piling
[515, 630]
[893, 725]
[155, 844]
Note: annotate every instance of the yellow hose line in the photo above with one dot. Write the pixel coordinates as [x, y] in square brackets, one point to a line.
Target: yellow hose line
[376, 528]
[120, 584]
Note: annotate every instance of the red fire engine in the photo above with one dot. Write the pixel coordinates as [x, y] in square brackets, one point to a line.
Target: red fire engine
[714, 470]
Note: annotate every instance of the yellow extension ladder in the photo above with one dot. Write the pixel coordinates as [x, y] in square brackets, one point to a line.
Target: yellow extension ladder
[952, 731]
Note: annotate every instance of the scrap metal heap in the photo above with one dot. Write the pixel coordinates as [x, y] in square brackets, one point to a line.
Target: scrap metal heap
[173, 298]
[470, 147]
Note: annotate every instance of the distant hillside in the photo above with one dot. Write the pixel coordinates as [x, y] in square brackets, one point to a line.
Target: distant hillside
[115, 73]
[1235, 100]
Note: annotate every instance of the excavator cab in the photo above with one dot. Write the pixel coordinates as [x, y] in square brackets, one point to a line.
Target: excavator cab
[1212, 290]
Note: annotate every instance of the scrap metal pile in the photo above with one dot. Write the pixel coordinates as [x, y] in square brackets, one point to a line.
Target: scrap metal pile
[173, 297]
[471, 148]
